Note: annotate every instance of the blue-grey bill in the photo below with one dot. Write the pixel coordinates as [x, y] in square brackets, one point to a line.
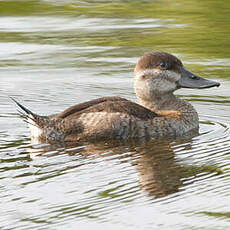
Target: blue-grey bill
[190, 80]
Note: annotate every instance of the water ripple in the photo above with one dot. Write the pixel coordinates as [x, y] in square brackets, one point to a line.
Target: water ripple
[58, 58]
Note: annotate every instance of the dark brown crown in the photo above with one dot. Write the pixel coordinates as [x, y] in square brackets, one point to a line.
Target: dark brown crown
[159, 60]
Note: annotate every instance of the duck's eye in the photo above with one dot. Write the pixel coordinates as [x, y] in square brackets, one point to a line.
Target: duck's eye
[163, 65]
[143, 76]
[194, 77]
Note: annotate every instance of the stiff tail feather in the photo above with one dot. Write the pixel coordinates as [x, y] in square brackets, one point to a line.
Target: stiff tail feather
[22, 107]
[27, 115]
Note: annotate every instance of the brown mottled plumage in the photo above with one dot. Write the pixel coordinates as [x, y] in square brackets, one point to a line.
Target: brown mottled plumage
[160, 113]
[109, 105]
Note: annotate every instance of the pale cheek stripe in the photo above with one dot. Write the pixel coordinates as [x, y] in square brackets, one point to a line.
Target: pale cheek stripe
[176, 76]
[172, 74]
[147, 72]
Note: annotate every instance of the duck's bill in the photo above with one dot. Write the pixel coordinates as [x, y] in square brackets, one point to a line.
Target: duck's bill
[190, 80]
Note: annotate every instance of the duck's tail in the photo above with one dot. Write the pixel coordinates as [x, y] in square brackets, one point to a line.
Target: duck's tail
[28, 116]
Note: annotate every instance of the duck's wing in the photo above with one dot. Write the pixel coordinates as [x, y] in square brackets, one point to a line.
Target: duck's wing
[108, 105]
[70, 120]
[85, 121]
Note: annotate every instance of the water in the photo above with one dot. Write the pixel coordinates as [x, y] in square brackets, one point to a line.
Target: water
[58, 53]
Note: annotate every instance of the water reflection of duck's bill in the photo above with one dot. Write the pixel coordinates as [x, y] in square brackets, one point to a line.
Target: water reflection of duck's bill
[159, 174]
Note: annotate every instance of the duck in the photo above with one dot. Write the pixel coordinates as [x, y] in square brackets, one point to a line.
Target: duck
[159, 113]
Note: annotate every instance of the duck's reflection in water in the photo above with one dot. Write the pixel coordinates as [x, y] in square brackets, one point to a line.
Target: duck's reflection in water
[158, 171]
[159, 174]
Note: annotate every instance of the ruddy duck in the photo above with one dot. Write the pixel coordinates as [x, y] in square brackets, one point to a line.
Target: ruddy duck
[160, 113]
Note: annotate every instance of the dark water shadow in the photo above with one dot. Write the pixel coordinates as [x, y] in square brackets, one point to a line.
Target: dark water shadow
[160, 173]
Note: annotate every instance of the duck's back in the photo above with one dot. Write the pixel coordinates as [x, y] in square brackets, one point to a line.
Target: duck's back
[99, 119]
[107, 105]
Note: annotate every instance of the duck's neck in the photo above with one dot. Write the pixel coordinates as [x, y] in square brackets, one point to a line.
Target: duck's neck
[168, 105]
[160, 102]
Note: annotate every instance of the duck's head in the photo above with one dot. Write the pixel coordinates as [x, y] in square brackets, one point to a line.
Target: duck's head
[159, 73]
